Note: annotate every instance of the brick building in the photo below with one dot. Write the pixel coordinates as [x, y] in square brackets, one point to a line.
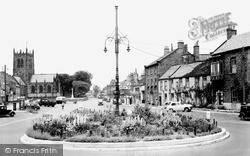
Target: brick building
[157, 68]
[230, 68]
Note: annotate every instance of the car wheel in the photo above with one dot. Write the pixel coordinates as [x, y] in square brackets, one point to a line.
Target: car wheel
[186, 109]
[242, 117]
[12, 114]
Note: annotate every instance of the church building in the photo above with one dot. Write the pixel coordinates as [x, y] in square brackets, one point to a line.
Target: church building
[36, 85]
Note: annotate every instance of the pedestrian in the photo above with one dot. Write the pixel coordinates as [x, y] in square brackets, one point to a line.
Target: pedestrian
[62, 106]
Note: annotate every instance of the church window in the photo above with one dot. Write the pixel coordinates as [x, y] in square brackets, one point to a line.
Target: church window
[49, 89]
[21, 63]
[33, 89]
[18, 63]
[40, 89]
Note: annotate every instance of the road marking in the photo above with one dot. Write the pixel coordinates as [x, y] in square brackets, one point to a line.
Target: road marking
[17, 121]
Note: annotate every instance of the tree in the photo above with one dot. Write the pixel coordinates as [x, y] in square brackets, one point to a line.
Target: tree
[80, 88]
[83, 76]
[96, 90]
[66, 82]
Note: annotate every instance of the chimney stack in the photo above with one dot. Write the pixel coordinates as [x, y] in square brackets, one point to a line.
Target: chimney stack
[231, 31]
[197, 51]
[180, 44]
[166, 50]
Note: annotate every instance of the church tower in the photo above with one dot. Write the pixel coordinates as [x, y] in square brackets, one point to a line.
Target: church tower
[23, 64]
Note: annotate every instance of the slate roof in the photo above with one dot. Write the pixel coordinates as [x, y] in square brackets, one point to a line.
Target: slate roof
[170, 72]
[202, 69]
[19, 80]
[42, 77]
[162, 57]
[235, 42]
[185, 69]
[203, 57]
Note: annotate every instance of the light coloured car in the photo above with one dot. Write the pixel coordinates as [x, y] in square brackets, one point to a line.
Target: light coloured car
[60, 99]
[177, 106]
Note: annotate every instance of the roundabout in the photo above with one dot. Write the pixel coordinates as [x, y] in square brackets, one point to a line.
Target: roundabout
[134, 146]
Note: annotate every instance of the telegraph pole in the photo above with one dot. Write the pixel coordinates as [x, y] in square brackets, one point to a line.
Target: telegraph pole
[5, 88]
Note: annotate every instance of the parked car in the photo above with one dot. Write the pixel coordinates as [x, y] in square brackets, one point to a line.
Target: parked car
[177, 106]
[47, 102]
[100, 102]
[60, 99]
[244, 112]
[4, 111]
[33, 104]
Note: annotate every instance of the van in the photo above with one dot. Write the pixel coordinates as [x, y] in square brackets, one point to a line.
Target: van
[60, 99]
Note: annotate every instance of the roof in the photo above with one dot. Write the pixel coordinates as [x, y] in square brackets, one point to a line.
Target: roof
[42, 78]
[185, 69]
[202, 69]
[170, 72]
[19, 80]
[162, 57]
[203, 57]
[235, 42]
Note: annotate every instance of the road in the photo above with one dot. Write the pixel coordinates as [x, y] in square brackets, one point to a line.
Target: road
[11, 129]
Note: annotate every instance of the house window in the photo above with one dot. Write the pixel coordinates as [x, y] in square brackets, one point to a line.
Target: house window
[180, 82]
[171, 83]
[233, 95]
[196, 82]
[187, 82]
[33, 89]
[161, 85]
[233, 65]
[215, 69]
[165, 85]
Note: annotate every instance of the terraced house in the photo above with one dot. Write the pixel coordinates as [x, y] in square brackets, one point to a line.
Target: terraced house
[230, 68]
[157, 68]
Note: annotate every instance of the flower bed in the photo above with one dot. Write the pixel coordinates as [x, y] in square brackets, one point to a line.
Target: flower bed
[142, 125]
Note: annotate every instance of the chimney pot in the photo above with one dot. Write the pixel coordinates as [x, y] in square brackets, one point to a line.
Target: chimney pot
[180, 44]
[166, 50]
[231, 31]
[197, 51]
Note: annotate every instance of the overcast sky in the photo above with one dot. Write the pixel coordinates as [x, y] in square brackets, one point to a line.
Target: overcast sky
[69, 35]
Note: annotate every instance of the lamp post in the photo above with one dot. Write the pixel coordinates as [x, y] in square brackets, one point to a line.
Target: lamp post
[117, 41]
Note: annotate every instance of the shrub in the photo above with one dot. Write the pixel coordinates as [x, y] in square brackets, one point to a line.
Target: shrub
[84, 138]
[37, 134]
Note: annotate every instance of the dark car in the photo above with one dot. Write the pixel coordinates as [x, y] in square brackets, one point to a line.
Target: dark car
[47, 102]
[4, 111]
[244, 112]
[33, 105]
[100, 102]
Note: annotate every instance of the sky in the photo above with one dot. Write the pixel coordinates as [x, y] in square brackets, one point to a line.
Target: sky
[69, 35]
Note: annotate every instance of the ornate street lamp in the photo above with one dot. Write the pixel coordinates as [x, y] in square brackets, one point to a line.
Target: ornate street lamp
[117, 41]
